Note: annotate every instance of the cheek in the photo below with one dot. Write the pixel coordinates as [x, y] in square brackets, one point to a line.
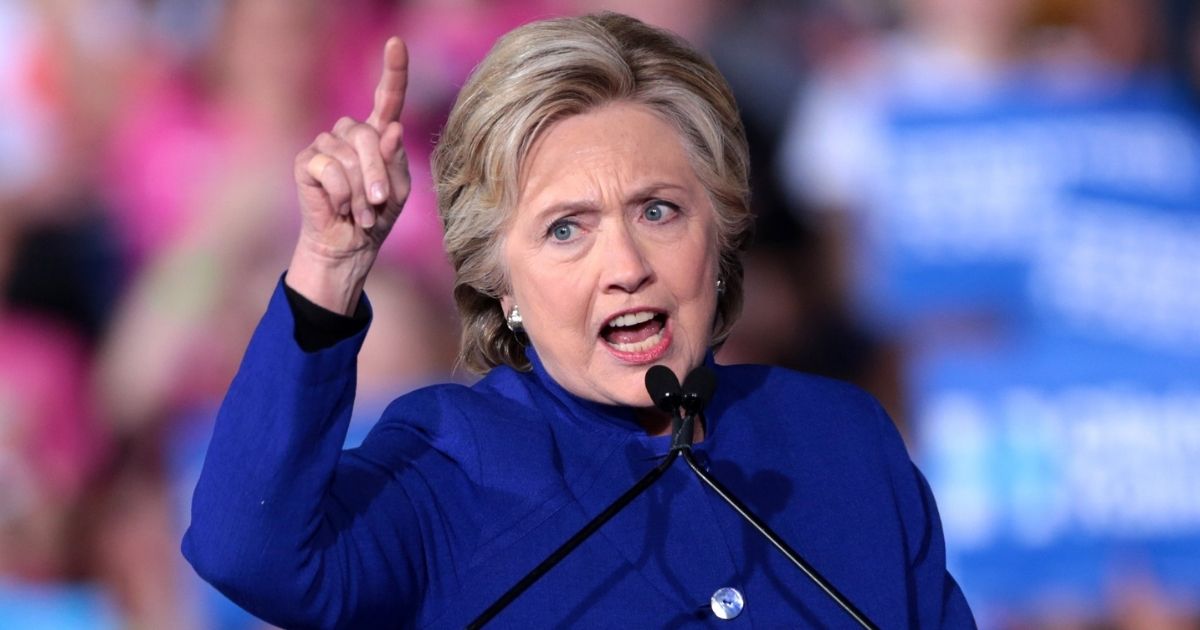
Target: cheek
[704, 268]
[559, 300]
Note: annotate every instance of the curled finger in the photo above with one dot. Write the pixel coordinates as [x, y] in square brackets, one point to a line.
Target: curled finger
[347, 157]
[327, 173]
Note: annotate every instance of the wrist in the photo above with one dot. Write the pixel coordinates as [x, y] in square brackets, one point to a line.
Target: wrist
[334, 283]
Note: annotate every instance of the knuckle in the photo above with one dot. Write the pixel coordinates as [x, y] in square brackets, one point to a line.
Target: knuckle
[376, 171]
[336, 185]
[362, 133]
[325, 139]
[315, 164]
[345, 155]
[327, 172]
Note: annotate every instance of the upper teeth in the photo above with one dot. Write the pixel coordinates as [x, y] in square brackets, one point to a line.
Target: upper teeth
[631, 319]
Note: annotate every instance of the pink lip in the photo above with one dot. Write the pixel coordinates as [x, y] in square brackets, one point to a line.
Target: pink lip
[646, 356]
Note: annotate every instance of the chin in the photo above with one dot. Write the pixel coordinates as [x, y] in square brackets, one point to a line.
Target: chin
[633, 394]
[632, 383]
[640, 399]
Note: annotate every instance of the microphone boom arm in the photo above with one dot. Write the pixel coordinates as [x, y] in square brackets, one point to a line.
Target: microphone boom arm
[770, 535]
[566, 548]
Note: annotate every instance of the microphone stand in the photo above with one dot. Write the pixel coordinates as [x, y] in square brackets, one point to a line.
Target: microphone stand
[681, 444]
[774, 538]
[566, 548]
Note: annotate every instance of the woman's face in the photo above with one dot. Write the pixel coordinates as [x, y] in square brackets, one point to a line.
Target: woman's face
[612, 254]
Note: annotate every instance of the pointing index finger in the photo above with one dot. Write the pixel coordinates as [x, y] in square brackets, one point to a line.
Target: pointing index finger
[389, 94]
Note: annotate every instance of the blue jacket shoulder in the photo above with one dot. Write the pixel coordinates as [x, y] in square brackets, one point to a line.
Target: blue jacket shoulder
[788, 393]
[478, 428]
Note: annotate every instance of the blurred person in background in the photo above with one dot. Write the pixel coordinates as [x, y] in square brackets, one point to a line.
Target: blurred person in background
[60, 274]
[1108, 40]
[1183, 45]
[188, 162]
[189, 180]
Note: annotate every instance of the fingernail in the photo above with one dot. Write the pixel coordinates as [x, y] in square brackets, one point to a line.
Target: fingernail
[377, 193]
[368, 219]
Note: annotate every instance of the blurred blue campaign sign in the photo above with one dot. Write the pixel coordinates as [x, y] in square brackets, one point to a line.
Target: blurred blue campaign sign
[56, 607]
[967, 195]
[1062, 470]
[1069, 459]
[1121, 269]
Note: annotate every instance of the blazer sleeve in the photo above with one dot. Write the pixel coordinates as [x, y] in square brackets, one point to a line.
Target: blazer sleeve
[934, 597]
[282, 522]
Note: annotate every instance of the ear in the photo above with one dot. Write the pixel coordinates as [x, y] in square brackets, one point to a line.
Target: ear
[506, 303]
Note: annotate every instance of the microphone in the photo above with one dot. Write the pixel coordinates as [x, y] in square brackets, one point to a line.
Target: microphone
[664, 389]
[669, 396]
[698, 389]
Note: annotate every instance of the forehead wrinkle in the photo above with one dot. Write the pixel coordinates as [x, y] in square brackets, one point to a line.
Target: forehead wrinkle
[625, 162]
[611, 185]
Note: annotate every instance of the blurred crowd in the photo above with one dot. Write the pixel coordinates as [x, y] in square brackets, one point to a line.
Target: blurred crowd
[147, 209]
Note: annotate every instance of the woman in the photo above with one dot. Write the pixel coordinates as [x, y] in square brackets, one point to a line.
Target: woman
[592, 183]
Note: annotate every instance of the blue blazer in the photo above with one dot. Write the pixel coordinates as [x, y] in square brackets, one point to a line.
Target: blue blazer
[459, 491]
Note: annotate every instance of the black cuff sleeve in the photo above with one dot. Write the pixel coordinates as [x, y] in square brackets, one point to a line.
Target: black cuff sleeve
[317, 327]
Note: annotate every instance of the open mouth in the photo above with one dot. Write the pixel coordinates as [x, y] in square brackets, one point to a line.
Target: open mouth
[635, 333]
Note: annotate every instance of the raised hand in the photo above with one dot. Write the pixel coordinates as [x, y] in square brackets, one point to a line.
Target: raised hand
[352, 182]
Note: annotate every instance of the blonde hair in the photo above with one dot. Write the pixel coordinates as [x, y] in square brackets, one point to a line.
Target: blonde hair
[546, 71]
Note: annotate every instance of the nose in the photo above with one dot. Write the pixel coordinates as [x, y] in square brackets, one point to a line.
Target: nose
[626, 268]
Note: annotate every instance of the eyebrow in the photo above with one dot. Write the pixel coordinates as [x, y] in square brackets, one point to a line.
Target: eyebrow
[580, 206]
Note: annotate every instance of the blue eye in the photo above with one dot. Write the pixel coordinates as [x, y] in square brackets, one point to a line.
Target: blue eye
[658, 211]
[562, 231]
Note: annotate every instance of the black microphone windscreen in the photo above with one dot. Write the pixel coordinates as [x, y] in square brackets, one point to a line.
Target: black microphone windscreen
[663, 386]
[699, 386]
